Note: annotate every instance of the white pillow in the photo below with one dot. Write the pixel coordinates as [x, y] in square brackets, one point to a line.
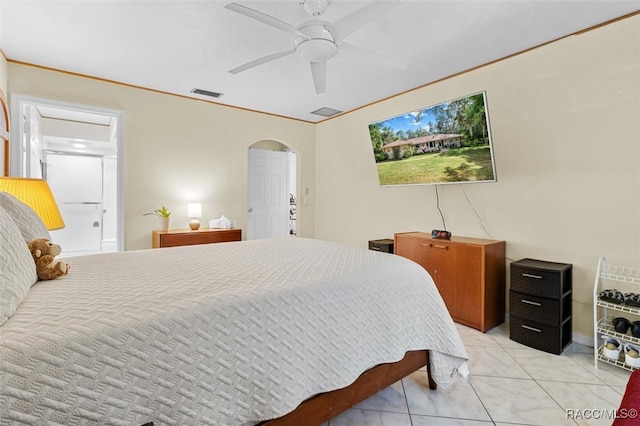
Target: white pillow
[28, 221]
[17, 268]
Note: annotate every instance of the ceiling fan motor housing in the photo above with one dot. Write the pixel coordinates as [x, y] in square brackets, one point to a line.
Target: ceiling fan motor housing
[316, 7]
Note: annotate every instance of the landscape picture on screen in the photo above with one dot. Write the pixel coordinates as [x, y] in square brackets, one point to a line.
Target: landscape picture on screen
[441, 144]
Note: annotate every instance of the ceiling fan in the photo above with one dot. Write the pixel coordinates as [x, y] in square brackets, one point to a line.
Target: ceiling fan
[318, 41]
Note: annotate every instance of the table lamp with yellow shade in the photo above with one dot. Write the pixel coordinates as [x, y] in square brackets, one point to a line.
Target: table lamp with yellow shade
[36, 194]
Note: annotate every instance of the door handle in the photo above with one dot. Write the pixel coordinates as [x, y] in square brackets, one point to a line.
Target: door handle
[96, 224]
[250, 210]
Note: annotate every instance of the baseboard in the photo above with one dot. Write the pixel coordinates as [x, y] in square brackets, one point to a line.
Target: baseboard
[582, 339]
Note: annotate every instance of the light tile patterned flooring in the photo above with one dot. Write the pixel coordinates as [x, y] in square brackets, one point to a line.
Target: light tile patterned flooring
[512, 384]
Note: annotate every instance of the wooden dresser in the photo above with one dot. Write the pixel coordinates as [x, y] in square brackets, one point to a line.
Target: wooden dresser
[469, 273]
[187, 237]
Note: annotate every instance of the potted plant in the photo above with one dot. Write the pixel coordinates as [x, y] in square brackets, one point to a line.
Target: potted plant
[164, 214]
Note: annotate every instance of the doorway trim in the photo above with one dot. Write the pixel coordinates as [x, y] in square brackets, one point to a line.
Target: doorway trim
[18, 101]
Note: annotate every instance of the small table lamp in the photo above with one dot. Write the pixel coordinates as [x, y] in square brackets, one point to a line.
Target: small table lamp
[36, 194]
[194, 210]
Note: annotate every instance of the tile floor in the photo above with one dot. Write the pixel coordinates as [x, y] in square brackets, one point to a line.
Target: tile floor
[512, 384]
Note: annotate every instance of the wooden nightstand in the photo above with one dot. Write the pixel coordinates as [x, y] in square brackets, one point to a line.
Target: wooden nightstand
[187, 237]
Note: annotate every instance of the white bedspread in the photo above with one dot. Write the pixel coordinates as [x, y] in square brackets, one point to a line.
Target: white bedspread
[219, 334]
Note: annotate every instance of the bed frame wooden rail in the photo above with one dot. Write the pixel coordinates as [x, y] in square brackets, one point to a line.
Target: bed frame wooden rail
[325, 406]
[320, 408]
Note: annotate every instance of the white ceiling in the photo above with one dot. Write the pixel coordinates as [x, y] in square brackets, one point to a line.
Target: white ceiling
[177, 45]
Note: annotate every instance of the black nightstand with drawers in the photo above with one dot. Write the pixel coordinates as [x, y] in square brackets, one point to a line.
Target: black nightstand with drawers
[540, 304]
[384, 245]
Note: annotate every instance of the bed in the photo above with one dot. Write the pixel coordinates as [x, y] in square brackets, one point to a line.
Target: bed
[231, 334]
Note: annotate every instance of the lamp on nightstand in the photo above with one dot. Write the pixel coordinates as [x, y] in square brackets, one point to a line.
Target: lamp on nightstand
[36, 194]
[194, 210]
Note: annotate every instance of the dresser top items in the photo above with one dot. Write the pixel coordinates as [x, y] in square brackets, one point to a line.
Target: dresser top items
[454, 239]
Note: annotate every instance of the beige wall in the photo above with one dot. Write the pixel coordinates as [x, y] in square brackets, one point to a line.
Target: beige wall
[565, 123]
[179, 150]
[3, 73]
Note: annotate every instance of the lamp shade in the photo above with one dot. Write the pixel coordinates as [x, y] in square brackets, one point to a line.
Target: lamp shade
[194, 210]
[36, 194]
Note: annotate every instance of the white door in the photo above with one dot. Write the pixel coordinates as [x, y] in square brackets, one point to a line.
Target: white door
[76, 183]
[268, 194]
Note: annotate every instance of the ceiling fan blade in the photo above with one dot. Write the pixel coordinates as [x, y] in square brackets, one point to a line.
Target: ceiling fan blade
[349, 50]
[265, 19]
[341, 28]
[262, 60]
[319, 74]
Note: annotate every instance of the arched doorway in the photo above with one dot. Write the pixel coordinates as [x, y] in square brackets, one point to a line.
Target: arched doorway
[272, 193]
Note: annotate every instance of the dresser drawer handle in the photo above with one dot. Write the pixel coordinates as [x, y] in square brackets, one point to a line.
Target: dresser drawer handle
[537, 277]
[375, 248]
[537, 330]
[442, 247]
[426, 244]
[529, 302]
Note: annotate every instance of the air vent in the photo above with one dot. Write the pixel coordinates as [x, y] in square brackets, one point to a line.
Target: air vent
[326, 112]
[206, 93]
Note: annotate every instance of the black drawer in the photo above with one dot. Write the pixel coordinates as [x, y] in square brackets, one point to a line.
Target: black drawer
[535, 308]
[540, 278]
[384, 245]
[545, 337]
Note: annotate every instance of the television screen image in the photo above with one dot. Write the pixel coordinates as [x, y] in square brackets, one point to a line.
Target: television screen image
[447, 143]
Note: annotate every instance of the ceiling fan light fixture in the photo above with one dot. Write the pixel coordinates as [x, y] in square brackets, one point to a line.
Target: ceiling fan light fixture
[317, 49]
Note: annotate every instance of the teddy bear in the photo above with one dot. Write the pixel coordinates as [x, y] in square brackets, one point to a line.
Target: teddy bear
[44, 252]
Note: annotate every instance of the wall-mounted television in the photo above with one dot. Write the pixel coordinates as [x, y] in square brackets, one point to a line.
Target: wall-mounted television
[447, 143]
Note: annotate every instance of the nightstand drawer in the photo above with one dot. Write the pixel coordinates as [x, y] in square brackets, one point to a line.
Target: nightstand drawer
[539, 278]
[535, 308]
[177, 238]
[545, 337]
